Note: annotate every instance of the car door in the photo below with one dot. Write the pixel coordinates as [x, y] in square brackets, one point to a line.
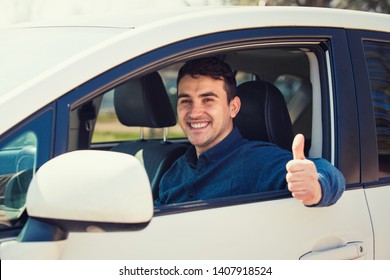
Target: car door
[371, 67]
[257, 226]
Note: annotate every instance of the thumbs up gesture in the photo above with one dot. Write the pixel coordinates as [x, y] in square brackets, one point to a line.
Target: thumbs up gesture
[302, 176]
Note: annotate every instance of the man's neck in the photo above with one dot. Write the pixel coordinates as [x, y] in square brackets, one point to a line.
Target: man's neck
[202, 150]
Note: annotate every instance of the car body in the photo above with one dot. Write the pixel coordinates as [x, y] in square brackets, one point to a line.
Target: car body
[87, 202]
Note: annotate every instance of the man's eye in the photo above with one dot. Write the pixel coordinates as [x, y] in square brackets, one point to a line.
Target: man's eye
[184, 101]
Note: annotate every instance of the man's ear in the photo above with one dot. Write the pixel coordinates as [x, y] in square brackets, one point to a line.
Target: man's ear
[235, 105]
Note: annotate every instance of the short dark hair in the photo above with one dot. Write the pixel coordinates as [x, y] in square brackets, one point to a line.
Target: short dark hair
[211, 67]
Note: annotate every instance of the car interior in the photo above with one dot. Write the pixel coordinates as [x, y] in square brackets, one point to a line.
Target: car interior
[138, 116]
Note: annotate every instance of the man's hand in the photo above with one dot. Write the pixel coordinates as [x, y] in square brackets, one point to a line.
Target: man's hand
[302, 176]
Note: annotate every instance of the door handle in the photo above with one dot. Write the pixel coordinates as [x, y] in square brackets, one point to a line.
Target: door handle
[350, 251]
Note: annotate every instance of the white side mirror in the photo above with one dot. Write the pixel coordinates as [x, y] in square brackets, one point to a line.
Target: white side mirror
[91, 187]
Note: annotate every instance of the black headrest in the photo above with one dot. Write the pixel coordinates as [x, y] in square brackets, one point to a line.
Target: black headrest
[144, 102]
[263, 115]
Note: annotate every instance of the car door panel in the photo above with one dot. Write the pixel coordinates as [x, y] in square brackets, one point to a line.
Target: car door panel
[371, 51]
[279, 229]
[378, 201]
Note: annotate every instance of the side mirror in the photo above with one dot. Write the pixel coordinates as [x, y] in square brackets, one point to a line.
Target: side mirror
[81, 190]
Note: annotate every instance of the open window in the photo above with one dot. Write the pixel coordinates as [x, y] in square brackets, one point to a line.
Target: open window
[297, 70]
[293, 70]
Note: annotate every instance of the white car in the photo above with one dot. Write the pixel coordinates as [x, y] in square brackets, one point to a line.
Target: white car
[76, 182]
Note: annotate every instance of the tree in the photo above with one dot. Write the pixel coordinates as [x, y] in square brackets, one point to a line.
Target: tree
[380, 6]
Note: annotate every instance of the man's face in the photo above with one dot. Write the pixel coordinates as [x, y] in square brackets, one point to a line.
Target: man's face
[204, 112]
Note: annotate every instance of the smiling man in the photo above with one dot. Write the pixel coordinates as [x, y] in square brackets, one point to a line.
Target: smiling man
[221, 162]
[205, 114]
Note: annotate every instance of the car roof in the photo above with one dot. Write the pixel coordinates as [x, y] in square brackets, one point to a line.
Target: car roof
[262, 15]
[138, 32]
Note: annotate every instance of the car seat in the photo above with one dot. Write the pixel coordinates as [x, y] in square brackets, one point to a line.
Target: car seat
[263, 115]
[144, 102]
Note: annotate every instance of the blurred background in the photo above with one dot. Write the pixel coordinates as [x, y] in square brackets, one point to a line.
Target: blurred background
[18, 11]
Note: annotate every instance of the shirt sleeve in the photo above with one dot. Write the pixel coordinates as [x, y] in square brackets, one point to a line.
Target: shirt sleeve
[332, 182]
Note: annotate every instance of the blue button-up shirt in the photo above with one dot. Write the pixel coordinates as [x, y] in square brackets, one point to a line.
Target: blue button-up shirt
[237, 166]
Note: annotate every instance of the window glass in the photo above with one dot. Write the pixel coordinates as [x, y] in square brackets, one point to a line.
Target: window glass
[378, 62]
[18, 162]
[298, 96]
[22, 152]
[242, 77]
[288, 85]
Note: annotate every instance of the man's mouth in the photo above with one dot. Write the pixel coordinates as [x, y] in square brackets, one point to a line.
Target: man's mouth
[198, 125]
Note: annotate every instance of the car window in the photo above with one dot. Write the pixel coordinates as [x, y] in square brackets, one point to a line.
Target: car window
[18, 162]
[26, 148]
[299, 71]
[296, 91]
[266, 64]
[378, 62]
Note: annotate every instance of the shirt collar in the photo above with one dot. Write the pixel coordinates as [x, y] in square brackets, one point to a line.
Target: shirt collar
[229, 143]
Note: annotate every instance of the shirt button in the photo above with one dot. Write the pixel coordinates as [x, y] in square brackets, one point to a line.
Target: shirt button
[191, 194]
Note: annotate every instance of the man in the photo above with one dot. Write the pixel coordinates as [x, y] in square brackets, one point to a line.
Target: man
[222, 163]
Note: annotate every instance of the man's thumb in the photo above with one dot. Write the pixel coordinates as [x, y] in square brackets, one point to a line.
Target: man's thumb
[298, 147]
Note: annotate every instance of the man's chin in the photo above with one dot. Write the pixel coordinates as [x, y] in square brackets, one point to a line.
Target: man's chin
[197, 141]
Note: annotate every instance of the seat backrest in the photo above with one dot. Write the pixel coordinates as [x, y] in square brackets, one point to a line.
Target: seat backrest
[144, 102]
[263, 115]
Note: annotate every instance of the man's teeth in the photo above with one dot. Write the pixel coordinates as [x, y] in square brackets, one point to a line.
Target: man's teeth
[198, 125]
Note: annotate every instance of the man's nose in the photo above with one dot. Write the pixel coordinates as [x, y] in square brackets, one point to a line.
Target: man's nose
[196, 110]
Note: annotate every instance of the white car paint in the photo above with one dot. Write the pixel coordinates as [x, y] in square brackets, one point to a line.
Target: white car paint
[172, 236]
[49, 85]
[343, 230]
